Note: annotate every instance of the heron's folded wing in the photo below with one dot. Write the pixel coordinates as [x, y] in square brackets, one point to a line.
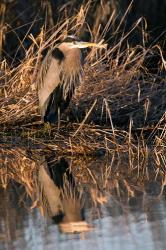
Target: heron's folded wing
[48, 80]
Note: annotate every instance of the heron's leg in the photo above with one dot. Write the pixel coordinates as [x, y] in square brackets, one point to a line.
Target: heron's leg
[75, 113]
[59, 118]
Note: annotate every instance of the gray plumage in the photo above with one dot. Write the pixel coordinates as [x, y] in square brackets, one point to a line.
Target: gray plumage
[60, 73]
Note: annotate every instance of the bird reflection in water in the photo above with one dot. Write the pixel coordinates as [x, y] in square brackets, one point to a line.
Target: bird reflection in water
[58, 196]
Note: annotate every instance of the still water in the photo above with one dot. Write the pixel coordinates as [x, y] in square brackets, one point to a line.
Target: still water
[115, 213]
[25, 228]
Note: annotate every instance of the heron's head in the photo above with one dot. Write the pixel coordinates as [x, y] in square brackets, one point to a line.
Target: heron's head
[74, 42]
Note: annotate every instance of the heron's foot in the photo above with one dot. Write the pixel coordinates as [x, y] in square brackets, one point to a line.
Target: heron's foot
[47, 128]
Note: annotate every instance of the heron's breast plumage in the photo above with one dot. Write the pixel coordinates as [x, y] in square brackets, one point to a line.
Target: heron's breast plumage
[71, 69]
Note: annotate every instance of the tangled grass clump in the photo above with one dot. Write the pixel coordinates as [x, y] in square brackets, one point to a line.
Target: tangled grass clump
[118, 93]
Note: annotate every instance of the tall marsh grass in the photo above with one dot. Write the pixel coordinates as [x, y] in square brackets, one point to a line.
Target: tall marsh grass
[120, 102]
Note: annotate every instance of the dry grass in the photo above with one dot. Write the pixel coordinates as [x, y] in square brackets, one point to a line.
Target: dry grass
[121, 105]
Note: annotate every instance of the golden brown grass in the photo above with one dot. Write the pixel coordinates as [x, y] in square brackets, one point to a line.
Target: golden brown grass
[115, 77]
[121, 105]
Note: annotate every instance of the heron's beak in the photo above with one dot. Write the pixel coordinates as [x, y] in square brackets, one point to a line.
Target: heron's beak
[82, 45]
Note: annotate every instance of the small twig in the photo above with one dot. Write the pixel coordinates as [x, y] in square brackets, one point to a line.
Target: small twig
[86, 117]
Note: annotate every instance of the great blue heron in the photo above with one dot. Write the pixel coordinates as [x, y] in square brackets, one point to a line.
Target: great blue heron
[60, 73]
